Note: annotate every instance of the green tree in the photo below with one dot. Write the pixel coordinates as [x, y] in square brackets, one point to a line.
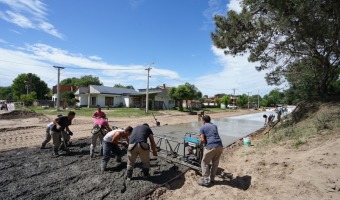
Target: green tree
[273, 98]
[82, 81]
[122, 86]
[6, 93]
[225, 100]
[28, 99]
[68, 97]
[218, 102]
[242, 100]
[27, 83]
[70, 81]
[88, 80]
[296, 40]
[192, 93]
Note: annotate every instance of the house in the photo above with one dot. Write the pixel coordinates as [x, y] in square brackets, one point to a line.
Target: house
[103, 96]
[158, 98]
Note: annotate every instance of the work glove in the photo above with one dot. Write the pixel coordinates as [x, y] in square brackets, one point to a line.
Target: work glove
[70, 133]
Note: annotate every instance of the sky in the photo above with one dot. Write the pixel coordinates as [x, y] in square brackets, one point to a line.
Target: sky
[117, 40]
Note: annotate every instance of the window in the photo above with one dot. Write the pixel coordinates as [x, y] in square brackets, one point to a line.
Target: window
[109, 101]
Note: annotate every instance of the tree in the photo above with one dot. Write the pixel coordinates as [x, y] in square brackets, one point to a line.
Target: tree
[68, 97]
[122, 86]
[225, 100]
[82, 81]
[27, 83]
[273, 98]
[88, 80]
[6, 93]
[70, 81]
[296, 40]
[28, 98]
[184, 92]
[242, 100]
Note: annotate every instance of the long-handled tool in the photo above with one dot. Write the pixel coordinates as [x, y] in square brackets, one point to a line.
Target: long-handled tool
[157, 122]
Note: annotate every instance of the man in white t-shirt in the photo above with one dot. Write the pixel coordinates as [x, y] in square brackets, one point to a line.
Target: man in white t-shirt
[110, 144]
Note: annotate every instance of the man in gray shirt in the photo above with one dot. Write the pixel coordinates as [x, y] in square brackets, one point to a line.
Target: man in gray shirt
[212, 151]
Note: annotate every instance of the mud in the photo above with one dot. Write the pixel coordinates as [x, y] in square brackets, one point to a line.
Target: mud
[20, 114]
[33, 173]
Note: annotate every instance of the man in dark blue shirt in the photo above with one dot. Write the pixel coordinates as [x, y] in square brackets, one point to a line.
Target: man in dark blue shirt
[212, 151]
[138, 146]
[61, 130]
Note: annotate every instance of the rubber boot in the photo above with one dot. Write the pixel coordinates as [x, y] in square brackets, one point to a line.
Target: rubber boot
[103, 165]
[91, 150]
[146, 173]
[101, 150]
[55, 151]
[129, 175]
[43, 145]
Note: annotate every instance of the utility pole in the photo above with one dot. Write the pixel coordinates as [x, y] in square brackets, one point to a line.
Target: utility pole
[147, 90]
[258, 99]
[58, 87]
[248, 100]
[234, 98]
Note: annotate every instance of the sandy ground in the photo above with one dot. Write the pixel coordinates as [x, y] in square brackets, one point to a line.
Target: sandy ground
[27, 132]
[275, 172]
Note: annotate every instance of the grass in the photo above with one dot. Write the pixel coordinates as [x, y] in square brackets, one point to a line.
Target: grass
[88, 112]
[325, 120]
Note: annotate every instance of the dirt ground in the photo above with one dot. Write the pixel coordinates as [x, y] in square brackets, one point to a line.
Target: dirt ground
[32, 173]
[274, 172]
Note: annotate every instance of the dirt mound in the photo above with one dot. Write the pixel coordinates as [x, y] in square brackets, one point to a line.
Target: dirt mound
[20, 114]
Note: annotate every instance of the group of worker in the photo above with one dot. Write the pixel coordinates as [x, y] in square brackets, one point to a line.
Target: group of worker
[135, 140]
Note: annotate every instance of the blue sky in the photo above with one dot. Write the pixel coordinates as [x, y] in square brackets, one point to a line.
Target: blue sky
[116, 40]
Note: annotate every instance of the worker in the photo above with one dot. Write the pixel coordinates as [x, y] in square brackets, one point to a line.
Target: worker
[212, 151]
[138, 146]
[270, 119]
[58, 131]
[48, 134]
[110, 144]
[99, 113]
[265, 119]
[100, 128]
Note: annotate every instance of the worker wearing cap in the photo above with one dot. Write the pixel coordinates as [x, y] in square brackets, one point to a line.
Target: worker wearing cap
[212, 151]
[138, 146]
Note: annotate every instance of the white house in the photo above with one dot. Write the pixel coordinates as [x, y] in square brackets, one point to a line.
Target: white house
[103, 96]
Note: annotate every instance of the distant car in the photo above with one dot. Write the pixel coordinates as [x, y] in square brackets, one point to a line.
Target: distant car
[232, 106]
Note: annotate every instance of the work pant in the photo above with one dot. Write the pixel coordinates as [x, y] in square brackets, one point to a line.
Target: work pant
[95, 137]
[109, 147]
[56, 138]
[210, 155]
[144, 155]
[47, 136]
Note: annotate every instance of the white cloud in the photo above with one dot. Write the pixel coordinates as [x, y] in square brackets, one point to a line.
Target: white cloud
[235, 5]
[215, 7]
[29, 14]
[39, 59]
[237, 73]
[95, 58]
